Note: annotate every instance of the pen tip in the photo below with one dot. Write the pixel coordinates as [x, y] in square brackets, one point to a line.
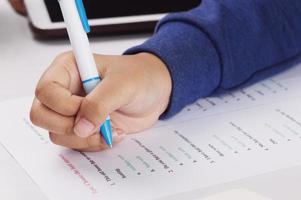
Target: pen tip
[106, 131]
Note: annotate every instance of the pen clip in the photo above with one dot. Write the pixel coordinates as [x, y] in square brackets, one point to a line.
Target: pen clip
[82, 15]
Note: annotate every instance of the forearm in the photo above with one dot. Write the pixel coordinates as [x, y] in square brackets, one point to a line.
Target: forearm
[222, 43]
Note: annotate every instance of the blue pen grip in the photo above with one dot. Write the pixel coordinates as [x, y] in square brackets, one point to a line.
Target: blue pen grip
[106, 128]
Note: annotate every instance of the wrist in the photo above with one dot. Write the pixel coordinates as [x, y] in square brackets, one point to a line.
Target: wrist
[161, 77]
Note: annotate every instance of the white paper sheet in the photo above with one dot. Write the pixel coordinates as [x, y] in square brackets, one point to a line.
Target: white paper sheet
[189, 152]
[236, 194]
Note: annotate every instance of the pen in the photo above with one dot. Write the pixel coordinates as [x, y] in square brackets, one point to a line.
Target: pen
[77, 27]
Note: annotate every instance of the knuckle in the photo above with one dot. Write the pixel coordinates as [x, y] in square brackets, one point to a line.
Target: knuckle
[66, 60]
[39, 91]
[33, 115]
[64, 56]
[42, 91]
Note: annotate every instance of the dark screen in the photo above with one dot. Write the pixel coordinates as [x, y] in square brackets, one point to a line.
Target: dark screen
[120, 8]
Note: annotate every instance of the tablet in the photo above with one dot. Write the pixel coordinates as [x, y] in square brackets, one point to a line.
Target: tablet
[105, 17]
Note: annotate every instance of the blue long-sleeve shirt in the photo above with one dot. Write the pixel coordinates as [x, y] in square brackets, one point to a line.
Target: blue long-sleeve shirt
[222, 43]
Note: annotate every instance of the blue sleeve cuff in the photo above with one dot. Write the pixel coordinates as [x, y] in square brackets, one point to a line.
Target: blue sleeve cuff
[191, 58]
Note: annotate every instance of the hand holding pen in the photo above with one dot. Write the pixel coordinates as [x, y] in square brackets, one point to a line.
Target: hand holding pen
[77, 27]
[134, 91]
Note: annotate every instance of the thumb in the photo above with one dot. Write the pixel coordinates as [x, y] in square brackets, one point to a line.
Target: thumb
[107, 97]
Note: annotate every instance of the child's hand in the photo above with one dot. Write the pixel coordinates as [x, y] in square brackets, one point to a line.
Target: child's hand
[134, 90]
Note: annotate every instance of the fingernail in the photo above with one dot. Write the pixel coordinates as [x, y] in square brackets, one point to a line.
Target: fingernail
[83, 128]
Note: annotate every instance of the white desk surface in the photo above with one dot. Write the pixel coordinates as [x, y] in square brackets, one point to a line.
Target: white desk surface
[23, 59]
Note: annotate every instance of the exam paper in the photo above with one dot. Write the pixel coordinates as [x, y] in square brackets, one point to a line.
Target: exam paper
[236, 194]
[183, 154]
[162, 161]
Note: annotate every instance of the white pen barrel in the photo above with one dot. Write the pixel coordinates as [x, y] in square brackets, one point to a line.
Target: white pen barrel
[79, 40]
